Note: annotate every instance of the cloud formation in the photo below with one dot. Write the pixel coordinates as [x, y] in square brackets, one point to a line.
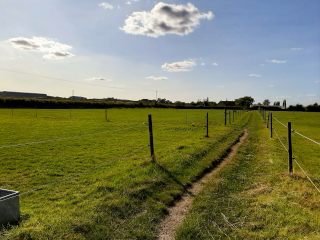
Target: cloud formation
[53, 49]
[165, 19]
[271, 85]
[296, 49]
[277, 61]
[157, 78]
[310, 95]
[106, 5]
[215, 64]
[202, 64]
[254, 75]
[184, 66]
[98, 79]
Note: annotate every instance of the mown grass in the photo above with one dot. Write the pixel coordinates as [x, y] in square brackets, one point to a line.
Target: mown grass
[254, 197]
[123, 199]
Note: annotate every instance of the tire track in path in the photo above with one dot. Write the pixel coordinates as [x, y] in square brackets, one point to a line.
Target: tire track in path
[179, 210]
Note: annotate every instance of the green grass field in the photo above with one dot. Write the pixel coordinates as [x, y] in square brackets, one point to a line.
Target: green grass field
[254, 197]
[128, 194]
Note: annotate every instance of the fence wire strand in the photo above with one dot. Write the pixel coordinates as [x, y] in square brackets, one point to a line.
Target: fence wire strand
[73, 176]
[306, 175]
[67, 138]
[280, 139]
[305, 137]
[279, 122]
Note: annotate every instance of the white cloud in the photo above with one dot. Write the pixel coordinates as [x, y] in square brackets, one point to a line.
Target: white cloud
[261, 64]
[202, 64]
[53, 49]
[129, 3]
[310, 95]
[271, 85]
[215, 64]
[157, 78]
[296, 49]
[184, 66]
[254, 75]
[277, 61]
[106, 5]
[165, 19]
[98, 79]
[118, 6]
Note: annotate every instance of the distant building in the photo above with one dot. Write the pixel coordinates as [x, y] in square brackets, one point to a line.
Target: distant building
[77, 97]
[226, 104]
[22, 94]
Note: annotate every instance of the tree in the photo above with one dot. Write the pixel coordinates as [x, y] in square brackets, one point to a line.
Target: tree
[266, 102]
[284, 104]
[244, 101]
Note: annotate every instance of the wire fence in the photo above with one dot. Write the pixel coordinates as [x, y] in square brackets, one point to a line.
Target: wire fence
[198, 120]
[262, 112]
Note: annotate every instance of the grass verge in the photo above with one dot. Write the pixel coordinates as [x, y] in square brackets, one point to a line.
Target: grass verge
[254, 198]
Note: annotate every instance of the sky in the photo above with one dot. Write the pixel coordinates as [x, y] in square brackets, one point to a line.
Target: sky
[177, 50]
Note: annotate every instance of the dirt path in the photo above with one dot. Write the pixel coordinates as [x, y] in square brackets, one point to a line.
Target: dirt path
[180, 209]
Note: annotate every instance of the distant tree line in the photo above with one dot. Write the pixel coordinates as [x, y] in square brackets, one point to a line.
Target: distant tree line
[66, 103]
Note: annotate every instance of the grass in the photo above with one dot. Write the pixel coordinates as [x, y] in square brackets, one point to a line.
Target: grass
[254, 197]
[123, 199]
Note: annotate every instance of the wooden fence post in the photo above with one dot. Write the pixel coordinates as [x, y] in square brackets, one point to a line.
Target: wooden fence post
[151, 137]
[290, 148]
[225, 117]
[271, 130]
[268, 120]
[229, 117]
[207, 125]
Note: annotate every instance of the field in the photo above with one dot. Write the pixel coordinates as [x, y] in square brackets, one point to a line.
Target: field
[254, 197]
[119, 193]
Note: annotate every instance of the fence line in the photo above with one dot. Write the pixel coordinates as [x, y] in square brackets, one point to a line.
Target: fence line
[293, 157]
[67, 138]
[73, 176]
[89, 170]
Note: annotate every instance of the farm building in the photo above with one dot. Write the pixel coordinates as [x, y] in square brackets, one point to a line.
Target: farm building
[226, 104]
[77, 97]
[23, 94]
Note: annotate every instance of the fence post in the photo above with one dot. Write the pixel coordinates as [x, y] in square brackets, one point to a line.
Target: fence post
[225, 117]
[290, 148]
[207, 125]
[271, 124]
[151, 137]
[229, 117]
[268, 120]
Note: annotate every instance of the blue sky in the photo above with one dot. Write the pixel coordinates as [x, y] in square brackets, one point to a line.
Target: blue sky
[185, 50]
